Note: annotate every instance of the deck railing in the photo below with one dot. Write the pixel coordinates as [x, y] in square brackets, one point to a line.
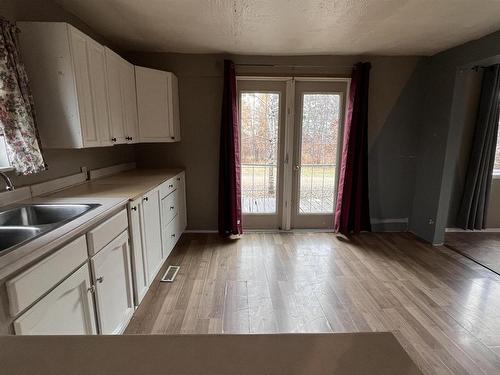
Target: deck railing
[260, 184]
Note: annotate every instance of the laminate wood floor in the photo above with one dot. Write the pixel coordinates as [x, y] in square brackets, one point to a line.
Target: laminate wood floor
[443, 308]
[483, 247]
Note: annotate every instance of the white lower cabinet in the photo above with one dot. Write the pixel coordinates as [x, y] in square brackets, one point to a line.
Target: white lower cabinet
[113, 285]
[173, 212]
[125, 252]
[151, 231]
[66, 310]
[156, 222]
[138, 250]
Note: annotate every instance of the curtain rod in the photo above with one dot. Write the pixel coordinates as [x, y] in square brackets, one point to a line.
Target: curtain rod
[294, 66]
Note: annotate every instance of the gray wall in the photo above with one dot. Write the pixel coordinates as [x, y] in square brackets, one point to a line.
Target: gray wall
[394, 105]
[62, 162]
[493, 219]
[442, 125]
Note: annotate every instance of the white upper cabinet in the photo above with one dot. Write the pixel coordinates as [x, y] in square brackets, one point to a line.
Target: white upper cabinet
[88, 96]
[122, 99]
[97, 75]
[116, 115]
[127, 73]
[68, 78]
[157, 105]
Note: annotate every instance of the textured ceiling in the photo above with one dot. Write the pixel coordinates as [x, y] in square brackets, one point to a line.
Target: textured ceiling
[289, 27]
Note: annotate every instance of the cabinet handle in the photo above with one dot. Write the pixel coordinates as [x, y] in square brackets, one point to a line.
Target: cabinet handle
[170, 186]
[100, 279]
[128, 138]
[173, 235]
[178, 178]
[91, 289]
[134, 208]
[172, 137]
[113, 139]
[172, 207]
[145, 199]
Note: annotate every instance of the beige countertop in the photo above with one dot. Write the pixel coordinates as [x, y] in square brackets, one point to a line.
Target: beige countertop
[111, 192]
[291, 354]
[129, 184]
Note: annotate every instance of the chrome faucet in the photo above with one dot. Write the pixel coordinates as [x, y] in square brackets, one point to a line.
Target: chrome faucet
[9, 186]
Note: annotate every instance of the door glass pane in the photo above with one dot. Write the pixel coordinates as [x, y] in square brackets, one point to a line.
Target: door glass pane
[259, 114]
[496, 168]
[320, 125]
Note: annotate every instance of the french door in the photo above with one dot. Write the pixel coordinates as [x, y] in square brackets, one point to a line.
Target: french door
[291, 130]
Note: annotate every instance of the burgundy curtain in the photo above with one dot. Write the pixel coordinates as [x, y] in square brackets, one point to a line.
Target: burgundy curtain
[229, 158]
[352, 214]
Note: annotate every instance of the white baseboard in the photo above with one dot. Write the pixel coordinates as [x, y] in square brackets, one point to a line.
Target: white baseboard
[458, 230]
[200, 231]
[389, 224]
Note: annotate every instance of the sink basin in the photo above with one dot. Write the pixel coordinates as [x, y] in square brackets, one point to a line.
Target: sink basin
[43, 214]
[10, 236]
[24, 223]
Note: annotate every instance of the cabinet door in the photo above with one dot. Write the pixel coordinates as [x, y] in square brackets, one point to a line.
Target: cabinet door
[152, 105]
[152, 232]
[174, 120]
[138, 255]
[129, 97]
[78, 42]
[66, 310]
[97, 71]
[113, 283]
[181, 199]
[114, 85]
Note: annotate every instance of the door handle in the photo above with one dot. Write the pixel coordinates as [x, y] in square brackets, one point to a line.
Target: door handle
[297, 167]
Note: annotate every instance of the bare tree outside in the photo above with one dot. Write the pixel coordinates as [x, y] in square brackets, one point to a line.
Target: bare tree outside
[259, 151]
[259, 113]
[320, 125]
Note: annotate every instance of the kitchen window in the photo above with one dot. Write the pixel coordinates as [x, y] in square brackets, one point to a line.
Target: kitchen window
[4, 159]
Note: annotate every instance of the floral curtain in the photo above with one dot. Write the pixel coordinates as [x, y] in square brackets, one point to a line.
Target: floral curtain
[17, 114]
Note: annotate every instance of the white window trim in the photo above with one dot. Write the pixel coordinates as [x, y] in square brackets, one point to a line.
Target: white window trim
[496, 174]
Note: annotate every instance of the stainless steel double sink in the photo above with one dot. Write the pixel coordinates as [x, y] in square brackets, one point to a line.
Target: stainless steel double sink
[21, 224]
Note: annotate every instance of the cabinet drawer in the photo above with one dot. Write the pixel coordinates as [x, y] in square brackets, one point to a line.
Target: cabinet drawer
[104, 233]
[169, 208]
[30, 285]
[170, 236]
[167, 187]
